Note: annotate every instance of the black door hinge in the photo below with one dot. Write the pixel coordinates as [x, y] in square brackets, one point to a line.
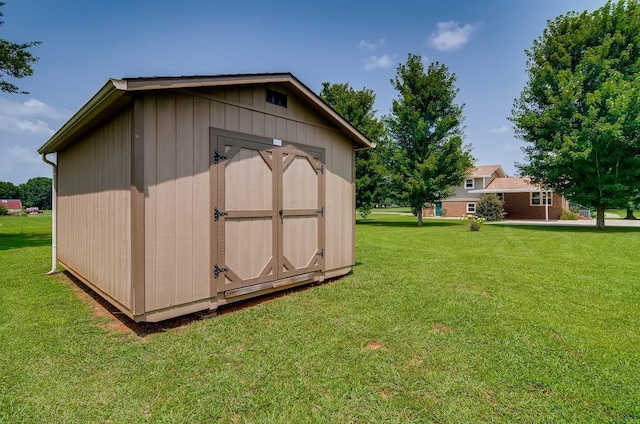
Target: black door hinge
[217, 157]
[217, 270]
[217, 214]
[321, 169]
[320, 211]
[320, 253]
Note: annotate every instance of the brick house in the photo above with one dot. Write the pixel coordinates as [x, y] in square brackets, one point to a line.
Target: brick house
[522, 200]
[464, 200]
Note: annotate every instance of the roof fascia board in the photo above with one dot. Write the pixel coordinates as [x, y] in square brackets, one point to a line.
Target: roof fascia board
[101, 100]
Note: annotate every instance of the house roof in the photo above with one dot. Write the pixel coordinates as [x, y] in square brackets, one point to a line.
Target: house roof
[487, 171]
[509, 185]
[116, 94]
[11, 203]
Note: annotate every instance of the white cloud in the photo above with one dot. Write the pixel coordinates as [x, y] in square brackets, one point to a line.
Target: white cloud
[451, 36]
[19, 154]
[371, 45]
[378, 62]
[31, 117]
[31, 108]
[502, 129]
[18, 125]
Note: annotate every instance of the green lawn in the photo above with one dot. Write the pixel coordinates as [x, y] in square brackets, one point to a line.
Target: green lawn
[435, 324]
[623, 213]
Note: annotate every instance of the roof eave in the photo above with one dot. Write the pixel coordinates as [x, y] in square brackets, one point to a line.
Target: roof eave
[112, 90]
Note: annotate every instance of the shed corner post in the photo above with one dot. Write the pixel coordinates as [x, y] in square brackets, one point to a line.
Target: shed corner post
[137, 209]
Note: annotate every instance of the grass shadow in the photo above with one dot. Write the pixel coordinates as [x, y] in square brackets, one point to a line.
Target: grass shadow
[119, 322]
[559, 228]
[406, 224]
[19, 241]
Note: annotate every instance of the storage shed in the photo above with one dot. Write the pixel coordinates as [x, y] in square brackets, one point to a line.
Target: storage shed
[182, 194]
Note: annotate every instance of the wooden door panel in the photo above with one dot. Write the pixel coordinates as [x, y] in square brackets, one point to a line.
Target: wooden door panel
[268, 212]
[247, 221]
[302, 213]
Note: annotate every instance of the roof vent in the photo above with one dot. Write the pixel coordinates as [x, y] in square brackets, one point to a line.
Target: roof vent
[276, 98]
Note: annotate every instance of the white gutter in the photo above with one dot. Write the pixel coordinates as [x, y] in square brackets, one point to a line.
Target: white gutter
[54, 223]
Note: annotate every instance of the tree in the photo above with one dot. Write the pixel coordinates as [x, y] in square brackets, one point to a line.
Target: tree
[426, 124]
[37, 192]
[9, 191]
[578, 112]
[490, 207]
[356, 106]
[15, 61]
[3, 210]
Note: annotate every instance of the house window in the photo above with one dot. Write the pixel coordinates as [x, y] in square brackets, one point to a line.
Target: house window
[276, 98]
[468, 183]
[541, 198]
[471, 208]
[500, 196]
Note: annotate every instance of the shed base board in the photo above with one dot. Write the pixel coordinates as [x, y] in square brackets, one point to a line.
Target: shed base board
[211, 304]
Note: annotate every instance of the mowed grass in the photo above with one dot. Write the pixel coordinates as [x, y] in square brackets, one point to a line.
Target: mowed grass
[435, 324]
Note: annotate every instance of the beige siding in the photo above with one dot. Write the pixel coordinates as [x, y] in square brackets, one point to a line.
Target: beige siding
[178, 212]
[94, 222]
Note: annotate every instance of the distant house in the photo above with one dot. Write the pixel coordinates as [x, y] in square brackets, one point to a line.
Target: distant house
[522, 200]
[464, 202]
[14, 206]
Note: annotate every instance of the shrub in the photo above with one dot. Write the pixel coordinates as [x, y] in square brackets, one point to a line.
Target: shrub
[474, 222]
[490, 208]
[569, 216]
[3, 210]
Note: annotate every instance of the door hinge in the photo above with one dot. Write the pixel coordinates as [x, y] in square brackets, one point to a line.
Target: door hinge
[217, 270]
[217, 157]
[320, 253]
[321, 169]
[320, 211]
[217, 214]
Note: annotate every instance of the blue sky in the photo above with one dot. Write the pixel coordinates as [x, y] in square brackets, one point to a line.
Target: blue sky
[86, 42]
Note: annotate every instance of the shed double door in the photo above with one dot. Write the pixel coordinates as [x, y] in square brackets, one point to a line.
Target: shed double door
[268, 212]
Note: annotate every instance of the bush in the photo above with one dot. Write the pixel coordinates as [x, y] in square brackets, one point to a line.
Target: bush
[3, 210]
[569, 216]
[474, 222]
[490, 208]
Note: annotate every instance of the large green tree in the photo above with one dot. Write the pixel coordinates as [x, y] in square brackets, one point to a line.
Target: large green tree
[356, 106]
[37, 192]
[426, 124]
[15, 61]
[9, 190]
[579, 111]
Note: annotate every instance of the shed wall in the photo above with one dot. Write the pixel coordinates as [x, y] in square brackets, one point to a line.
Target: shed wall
[94, 222]
[176, 174]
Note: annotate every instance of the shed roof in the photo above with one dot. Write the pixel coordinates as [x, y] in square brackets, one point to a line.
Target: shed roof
[112, 97]
[509, 185]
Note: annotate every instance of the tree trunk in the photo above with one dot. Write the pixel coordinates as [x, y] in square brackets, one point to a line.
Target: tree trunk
[420, 217]
[630, 214]
[600, 217]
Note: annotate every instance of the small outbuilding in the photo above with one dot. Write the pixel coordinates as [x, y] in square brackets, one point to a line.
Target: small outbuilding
[13, 206]
[182, 194]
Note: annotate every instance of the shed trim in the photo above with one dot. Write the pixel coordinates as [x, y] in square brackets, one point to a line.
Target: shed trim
[137, 209]
[114, 89]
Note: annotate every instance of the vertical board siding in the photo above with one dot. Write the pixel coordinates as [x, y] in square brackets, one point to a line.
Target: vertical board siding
[178, 218]
[184, 198]
[94, 201]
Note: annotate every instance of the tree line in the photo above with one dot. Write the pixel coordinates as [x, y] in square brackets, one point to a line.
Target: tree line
[34, 193]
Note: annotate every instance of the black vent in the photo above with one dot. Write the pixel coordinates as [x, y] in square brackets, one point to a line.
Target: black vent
[275, 98]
